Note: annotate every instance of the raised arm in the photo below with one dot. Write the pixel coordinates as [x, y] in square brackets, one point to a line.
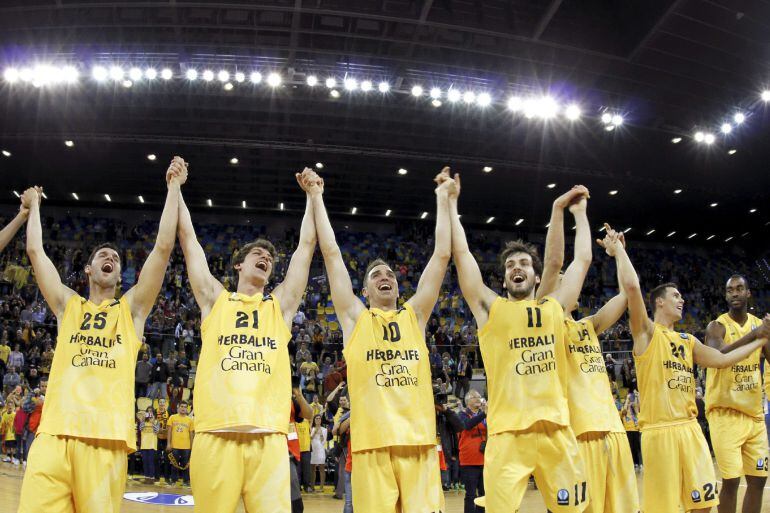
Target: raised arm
[639, 322]
[204, 285]
[293, 286]
[142, 296]
[54, 291]
[553, 257]
[346, 304]
[614, 309]
[478, 296]
[706, 356]
[715, 336]
[432, 277]
[572, 281]
[8, 233]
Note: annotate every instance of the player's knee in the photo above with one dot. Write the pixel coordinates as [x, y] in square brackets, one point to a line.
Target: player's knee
[730, 486]
[756, 482]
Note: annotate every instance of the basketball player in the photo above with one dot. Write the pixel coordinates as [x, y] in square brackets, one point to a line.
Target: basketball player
[243, 381]
[9, 232]
[594, 417]
[677, 464]
[734, 406]
[522, 344]
[393, 422]
[78, 461]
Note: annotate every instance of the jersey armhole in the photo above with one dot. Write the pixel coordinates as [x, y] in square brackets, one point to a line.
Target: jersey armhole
[204, 322]
[286, 330]
[356, 329]
[492, 309]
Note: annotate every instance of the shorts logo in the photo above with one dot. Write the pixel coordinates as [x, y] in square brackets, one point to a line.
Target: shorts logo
[695, 496]
[683, 335]
[562, 497]
[761, 464]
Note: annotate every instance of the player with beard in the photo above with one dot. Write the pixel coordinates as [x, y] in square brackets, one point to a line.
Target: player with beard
[78, 462]
[393, 422]
[678, 471]
[243, 379]
[734, 402]
[522, 343]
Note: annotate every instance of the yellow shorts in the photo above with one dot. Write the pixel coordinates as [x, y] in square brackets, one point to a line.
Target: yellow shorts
[66, 474]
[398, 479]
[740, 443]
[227, 466]
[545, 450]
[609, 472]
[678, 470]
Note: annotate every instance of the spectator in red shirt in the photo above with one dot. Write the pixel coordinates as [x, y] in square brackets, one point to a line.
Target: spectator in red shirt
[473, 440]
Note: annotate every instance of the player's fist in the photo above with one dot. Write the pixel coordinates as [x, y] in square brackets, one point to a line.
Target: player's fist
[571, 197]
[177, 171]
[310, 182]
[30, 197]
[611, 242]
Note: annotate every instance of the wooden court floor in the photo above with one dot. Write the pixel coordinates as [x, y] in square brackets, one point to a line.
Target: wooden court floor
[10, 484]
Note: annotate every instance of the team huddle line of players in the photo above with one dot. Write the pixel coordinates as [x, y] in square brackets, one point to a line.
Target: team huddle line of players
[551, 413]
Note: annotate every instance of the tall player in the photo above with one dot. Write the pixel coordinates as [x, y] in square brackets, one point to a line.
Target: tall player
[243, 381]
[734, 406]
[393, 422]
[522, 343]
[601, 436]
[78, 462]
[677, 464]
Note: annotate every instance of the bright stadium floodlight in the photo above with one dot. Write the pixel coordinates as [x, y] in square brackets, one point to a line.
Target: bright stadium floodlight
[151, 157]
[274, 79]
[99, 73]
[699, 136]
[208, 75]
[223, 76]
[739, 118]
[240, 76]
[726, 128]
[191, 74]
[166, 74]
[135, 74]
[383, 87]
[331, 83]
[435, 93]
[469, 97]
[26, 74]
[334, 93]
[708, 138]
[606, 118]
[116, 73]
[70, 74]
[484, 100]
[514, 104]
[417, 91]
[255, 77]
[572, 112]
[617, 120]
[350, 84]
[453, 95]
[366, 86]
[765, 95]
[312, 80]
[228, 86]
[436, 103]
[519, 221]
[151, 74]
[402, 171]
[676, 140]
[11, 75]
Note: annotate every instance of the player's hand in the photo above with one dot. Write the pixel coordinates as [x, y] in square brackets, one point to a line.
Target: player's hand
[453, 187]
[484, 406]
[571, 196]
[611, 242]
[31, 197]
[310, 182]
[579, 205]
[177, 171]
[442, 179]
[763, 331]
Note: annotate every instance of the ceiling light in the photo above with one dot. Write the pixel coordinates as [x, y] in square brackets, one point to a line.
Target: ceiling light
[75, 195]
[650, 232]
[606, 118]
[670, 234]
[699, 136]
[335, 93]
[243, 203]
[692, 235]
[514, 103]
[26, 75]
[166, 74]
[127, 83]
[351, 84]
[436, 103]
[731, 151]
[191, 74]
[487, 169]
[234, 161]
[255, 77]
[383, 87]
[280, 206]
[135, 74]
[708, 138]
[150, 74]
[423, 215]
[116, 73]
[676, 140]
[228, 86]
[752, 210]
[728, 239]
[69, 144]
[107, 197]
[710, 237]
[484, 99]
[489, 220]
[209, 202]
[551, 185]
[331, 82]
[744, 234]
[366, 85]
[627, 230]
[453, 95]
[208, 75]
[240, 76]
[613, 192]
[11, 75]
[70, 74]
[469, 97]
[572, 112]
[739, 118]
[435, 93]
[714, 204]
[354, 210]
[765, 96]
[319, 165]
[6, 153]
[726, 128]
[151, 157]
[609, 128]
[99, 73]
[15, 193]
[417, 91]
[601, 229]
[44, 195]
[519, 221]
[617, 120]
[677, 191]
[141, 199]
[387, 212]
[223, 76]
[312, 80]
[402, 171]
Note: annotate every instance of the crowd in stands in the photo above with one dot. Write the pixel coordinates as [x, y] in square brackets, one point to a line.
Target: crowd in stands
[165, 369]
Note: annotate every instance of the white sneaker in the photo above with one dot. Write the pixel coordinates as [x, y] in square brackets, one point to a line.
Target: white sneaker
[6, 459]
[15, 461]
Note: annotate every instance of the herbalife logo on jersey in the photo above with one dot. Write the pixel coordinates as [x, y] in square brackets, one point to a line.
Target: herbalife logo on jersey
[562, 497]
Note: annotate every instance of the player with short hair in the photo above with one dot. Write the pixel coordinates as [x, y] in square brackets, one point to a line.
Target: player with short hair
[678, 470]
[78, 462]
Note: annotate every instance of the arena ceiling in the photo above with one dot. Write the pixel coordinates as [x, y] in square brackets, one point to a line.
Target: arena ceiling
[670, 68]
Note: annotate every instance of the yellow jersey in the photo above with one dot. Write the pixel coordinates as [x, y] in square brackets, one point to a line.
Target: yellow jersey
[181, 427]
[666, 380]
[629, 422]
[591, 405]
[303, 433]
[739, 387]
[243, 378]
[522, 345]
[391, 392]
[7, 431]
[5, 352]
[148, 436]
[91, 385]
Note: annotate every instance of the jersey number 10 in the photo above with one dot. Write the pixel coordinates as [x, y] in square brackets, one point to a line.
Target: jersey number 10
[391, 332]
